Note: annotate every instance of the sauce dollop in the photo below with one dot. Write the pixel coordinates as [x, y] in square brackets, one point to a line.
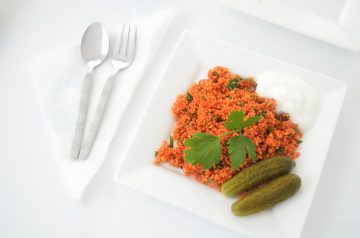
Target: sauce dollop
[293, 96]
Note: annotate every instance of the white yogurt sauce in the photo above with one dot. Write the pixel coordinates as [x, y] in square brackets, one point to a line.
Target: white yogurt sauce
[293, 96]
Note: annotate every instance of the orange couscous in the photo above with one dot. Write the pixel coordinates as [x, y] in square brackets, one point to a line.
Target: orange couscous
[206, 106]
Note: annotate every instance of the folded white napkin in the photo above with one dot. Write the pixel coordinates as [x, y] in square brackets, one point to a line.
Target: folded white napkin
[58, 78]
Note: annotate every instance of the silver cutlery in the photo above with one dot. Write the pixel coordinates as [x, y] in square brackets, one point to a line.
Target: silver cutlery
[122, 57]
[94, 49]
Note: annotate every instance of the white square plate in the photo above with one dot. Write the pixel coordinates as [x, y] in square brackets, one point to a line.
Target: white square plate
[193, 55]
[334, 21]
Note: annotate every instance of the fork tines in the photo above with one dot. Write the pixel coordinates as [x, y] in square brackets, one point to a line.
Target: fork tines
[125, 43]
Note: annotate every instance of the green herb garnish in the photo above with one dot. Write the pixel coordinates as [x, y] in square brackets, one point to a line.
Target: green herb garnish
[171, 142]
[280, 150]
[241, 104]
[216, 118]
[205, 149]
[189, 97]
[240, 145]
[297, 131]
[215, 74]
[269, 130]
[233, 83]
[298, 142]
[262, 113]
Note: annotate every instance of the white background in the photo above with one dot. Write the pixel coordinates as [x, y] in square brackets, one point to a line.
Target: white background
[34, 201]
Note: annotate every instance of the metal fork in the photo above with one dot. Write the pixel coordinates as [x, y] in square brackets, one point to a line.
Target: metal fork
[122, 57]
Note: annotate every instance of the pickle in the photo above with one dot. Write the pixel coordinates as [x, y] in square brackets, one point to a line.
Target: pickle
[267, 196]
[257, 173]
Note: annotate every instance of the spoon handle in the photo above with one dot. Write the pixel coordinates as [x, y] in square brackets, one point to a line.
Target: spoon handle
[82, 115]
[95, 123]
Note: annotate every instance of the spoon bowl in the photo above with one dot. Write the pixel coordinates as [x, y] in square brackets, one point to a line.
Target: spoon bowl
[94, 45]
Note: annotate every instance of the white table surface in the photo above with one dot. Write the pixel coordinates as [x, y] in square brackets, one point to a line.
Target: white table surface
[34, 201]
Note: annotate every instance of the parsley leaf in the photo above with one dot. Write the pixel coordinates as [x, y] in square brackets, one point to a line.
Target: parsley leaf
[239, 147]
[235, 120]
[251, 121]
[236, 151]
[205, 149]
[250, 148]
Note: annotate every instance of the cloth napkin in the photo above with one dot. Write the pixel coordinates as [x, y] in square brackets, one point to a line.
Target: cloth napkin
[58, 78]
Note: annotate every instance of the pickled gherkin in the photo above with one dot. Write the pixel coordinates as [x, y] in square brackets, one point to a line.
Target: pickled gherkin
[267, 196]
[257, 174]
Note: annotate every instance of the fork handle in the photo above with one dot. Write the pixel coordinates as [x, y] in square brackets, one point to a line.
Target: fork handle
[95, 124]
[82, 115]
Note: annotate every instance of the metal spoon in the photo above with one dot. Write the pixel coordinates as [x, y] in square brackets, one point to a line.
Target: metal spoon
[94, 49]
